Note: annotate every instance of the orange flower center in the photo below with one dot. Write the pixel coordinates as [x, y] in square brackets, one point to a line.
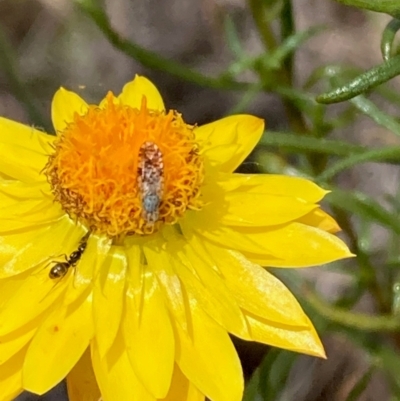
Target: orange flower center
[124, 171]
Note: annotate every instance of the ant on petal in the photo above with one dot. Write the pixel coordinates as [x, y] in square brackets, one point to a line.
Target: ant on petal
[60, 269]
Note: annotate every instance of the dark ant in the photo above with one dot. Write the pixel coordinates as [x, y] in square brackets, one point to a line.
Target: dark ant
[60, 269]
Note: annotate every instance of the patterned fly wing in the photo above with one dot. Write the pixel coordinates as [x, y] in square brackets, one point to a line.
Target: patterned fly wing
[150, 180]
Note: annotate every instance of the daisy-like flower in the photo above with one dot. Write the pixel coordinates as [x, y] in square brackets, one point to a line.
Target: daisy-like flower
[130, 250]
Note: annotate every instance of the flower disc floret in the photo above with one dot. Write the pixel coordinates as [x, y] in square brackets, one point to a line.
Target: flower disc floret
[96, 170]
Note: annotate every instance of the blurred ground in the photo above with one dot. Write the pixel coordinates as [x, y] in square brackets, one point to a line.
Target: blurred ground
[54, 45]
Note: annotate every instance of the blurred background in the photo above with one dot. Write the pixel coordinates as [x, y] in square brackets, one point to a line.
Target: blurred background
[269, 58]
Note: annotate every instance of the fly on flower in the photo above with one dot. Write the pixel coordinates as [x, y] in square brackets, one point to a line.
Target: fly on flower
[150, 180]
[170, 264]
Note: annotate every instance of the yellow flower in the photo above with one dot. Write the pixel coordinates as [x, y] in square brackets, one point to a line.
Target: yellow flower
[129, 250]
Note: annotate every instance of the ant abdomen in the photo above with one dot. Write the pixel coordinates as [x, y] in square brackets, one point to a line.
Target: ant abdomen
[59, 270]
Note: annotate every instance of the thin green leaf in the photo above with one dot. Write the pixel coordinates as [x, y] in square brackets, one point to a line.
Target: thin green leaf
[344, 119]
[246, 98]
[331, 71]
[388, 93]
[273, 378]
[272, 9]
[388, 155]
[272, 163]
[267, 61]
[361, 385]
[388, 360]
[302, 100]
[251, 392]
[387, 40]
[288, 28]
[296, 143]
[354, 320]
[391, 7]
[290, 45]
[364, 82]
[396, 298]
[365, 207]
[149, 59]
[382, 356]
[370, 109]
[232, 37]
[265, 369]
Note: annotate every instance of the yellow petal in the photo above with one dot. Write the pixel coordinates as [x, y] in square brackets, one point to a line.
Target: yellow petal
[243, 131]
[11, 376]
[272, 184]
[115, 375]
[208, 358]
[57, 347]
[21, 163]
[81, 382]
[217, 153]
[150, 350]
[304, 340]
[182, 389]
[290, 245]
[34, 285]
[12, 192]
[41, 292]
[256, 290]
[28, 215]
[254, 209]
[133, 92]
[21, 251]
[24, 151]
[135, 279]
[89, 266]
[64, 106]
[197, 278]
[169, 280]
[9, 287]
[319, 219]
[108, 299]
[14, 342]
[24, 136]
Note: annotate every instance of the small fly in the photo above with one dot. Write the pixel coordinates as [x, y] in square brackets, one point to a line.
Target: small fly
[60, 269]
[151, 180]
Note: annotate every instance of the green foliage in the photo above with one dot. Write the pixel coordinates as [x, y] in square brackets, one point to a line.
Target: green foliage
[306, 149]
[391, 7]
[364, 82]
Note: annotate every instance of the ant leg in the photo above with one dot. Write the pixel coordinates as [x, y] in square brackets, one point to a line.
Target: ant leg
[54, 260]
[56, 282]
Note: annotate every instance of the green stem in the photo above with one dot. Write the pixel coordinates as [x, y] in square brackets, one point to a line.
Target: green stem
[285, 74]
[288, 29]
[360, 321]
[150, 59]
[388, 36]
[293, 144]
[298, 125]
[368, 273]
[267, 36]
[262, 24]
[387, 154]
[391, 7]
